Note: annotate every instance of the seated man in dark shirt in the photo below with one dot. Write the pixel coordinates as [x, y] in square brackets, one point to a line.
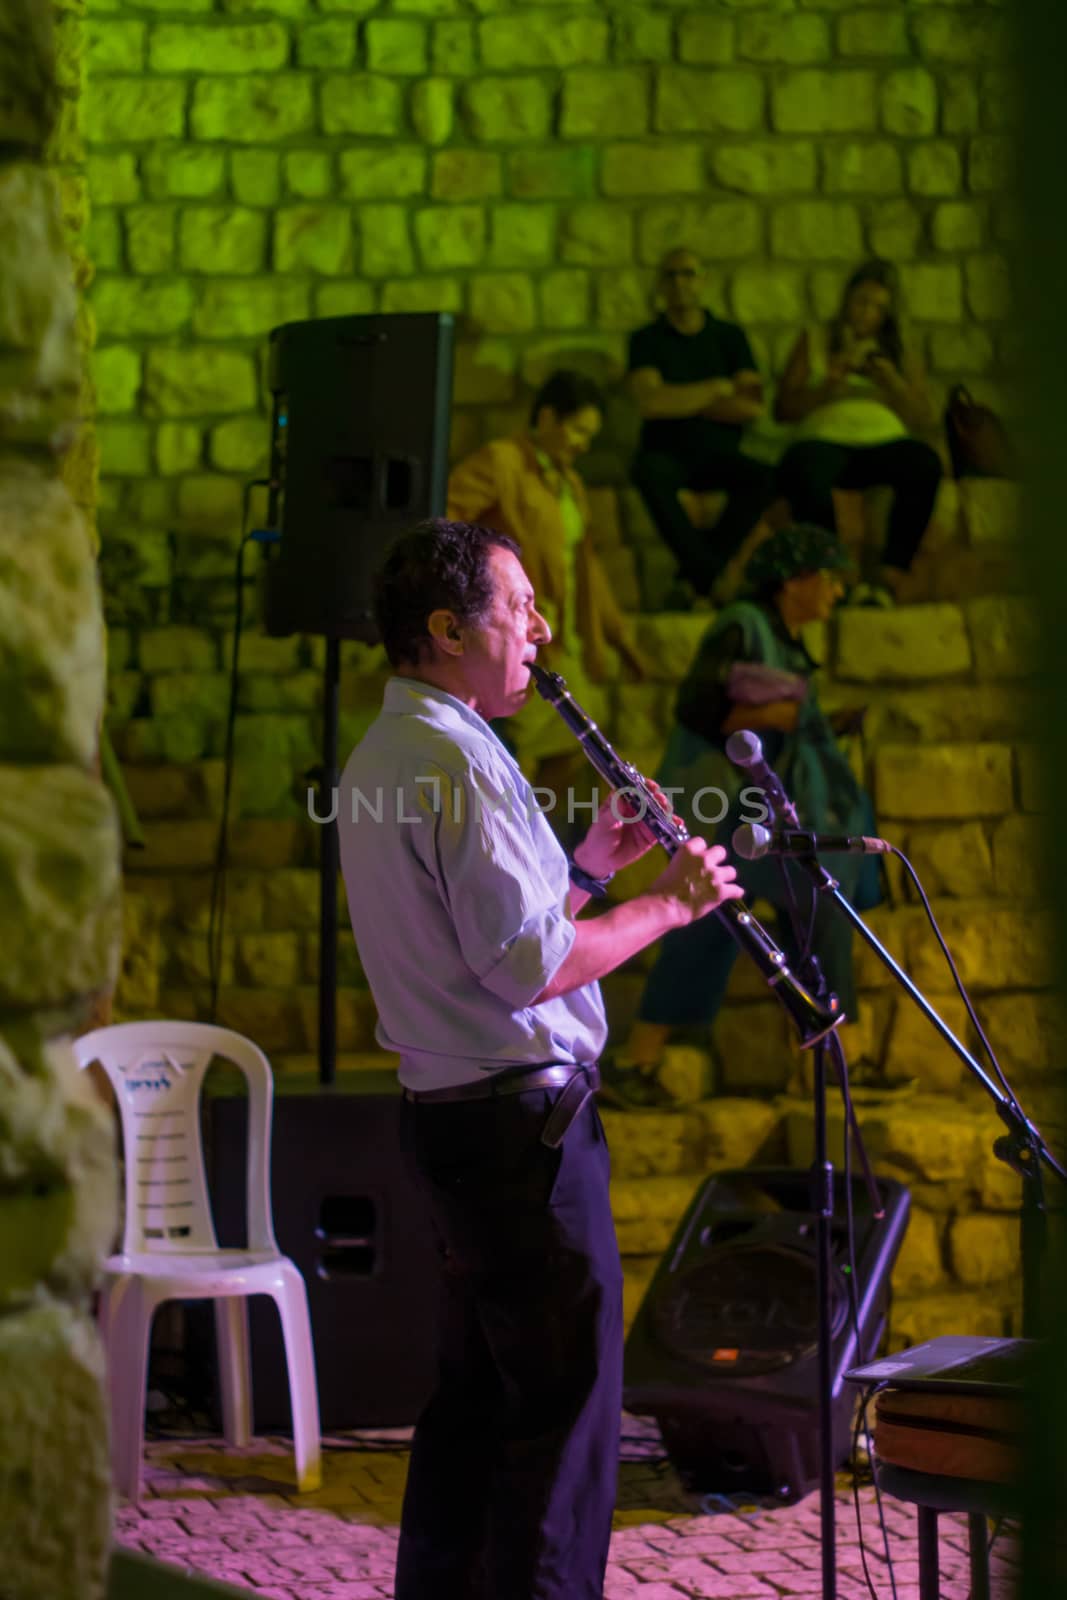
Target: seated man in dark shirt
[693, 379]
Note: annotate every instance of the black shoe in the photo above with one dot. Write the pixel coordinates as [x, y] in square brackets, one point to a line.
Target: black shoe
[625, 1087]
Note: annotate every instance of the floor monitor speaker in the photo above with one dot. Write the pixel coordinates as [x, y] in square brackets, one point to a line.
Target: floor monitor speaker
[348, 1214]
[723, 1349]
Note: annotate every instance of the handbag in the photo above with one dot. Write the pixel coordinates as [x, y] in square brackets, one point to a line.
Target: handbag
[978, 443]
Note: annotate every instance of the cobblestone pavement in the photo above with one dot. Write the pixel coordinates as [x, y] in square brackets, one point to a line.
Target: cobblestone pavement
[234, 1515]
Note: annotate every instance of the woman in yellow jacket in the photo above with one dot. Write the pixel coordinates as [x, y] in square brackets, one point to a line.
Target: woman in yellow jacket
[526, 486]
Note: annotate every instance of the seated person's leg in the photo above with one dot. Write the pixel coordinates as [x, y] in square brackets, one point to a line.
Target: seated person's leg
[807, 474]
[913, 471]
[659, 478]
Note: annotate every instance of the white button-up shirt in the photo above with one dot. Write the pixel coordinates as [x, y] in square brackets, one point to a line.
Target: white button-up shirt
[457, 890]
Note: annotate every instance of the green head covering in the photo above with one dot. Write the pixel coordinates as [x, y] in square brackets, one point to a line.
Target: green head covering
[802, 547]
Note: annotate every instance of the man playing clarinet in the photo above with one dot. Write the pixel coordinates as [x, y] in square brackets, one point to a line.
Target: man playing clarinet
[467, 915]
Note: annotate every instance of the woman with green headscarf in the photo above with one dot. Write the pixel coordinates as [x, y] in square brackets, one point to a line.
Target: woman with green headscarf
[752, 670]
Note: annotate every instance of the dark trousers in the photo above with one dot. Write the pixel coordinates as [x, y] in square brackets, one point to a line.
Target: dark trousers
[514, 1463]
[703, 553]
[689, 978]
[811, 469]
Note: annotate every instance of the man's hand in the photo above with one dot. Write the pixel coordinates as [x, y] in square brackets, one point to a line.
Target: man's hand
[697, 879]
[885, 375]
[617, 837]
[748, 385]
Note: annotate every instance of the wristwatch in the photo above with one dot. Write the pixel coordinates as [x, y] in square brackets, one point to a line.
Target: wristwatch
[597, 887]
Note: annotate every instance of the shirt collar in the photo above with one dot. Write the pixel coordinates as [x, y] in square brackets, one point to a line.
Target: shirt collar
[408, 696]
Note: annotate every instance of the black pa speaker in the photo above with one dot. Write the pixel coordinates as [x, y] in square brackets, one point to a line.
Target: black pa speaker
[359, 452]
[352, 1219]
[723, 1351]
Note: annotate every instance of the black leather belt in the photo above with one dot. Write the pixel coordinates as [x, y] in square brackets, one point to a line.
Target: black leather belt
[578, 1084]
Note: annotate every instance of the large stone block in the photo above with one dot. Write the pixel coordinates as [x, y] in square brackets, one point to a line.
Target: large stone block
[542, 39]
[690, 100]
[768, 294]
[990, 165]
[622, 298]
[921, 1262]
[239, 48]
[943, 780]
[718, 230]
[453, 47]
[992, 510]
[956, 711]
[669, 641]
[989, 296]
[511, 110]
[450, 236]
[737, 1133]
[114, 47]
[197, 381]
[605, 102]
[179, 447]
[959, 101]
[995, 946]
[958, 225]
[330, 44]
[1027, 1032]
[182, 173]
[648, 1144]
[753, 1048]
[222, 239]
[248, 310]
[960, 352]
[895, 230]
[502, 302]
[522, 235]
[641, 35]
[363, 103]
[815, 101]
[596, 235]
[252, 110]
[371, 173]
[255, 177]
[396, 44]
[935, 169]
[873, 33]
[560, 173]
[917, 1054]
[632, 169]
[134, 110]
[564, 298]
[54, 1482]
[462, 174]
[955, 860]
[113, 178]
[647, 1212]
[386, 252]
[150, 238]
[908, 102]
[59, 910]
[959, 37]
[917, 1318]
[433, 110]
[423, 294]
[1018, 858]
[932, 291]
[984, 1248]
[816, 230]
[41, 365]
[793, 41]
[766, 166]
[313, 238]
[128, 308]
[705, 39]
[911, 643]
[867, 169]
[125, 448]
[1004, 634]
[52, 656]
[116, 373]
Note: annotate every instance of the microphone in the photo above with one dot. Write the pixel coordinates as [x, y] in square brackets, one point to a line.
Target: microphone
[752, 841]
[745, 751]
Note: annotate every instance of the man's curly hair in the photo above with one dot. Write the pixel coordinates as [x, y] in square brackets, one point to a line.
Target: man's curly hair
[437, 566]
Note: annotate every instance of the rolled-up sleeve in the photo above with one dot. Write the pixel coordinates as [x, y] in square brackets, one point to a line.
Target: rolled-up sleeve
[507, 902]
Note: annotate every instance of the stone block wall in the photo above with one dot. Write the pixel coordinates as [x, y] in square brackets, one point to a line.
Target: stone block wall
[59, 854]
[523, 166]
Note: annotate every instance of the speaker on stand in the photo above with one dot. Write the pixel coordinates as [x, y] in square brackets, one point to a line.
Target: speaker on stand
[723, 1351]
[359, 452]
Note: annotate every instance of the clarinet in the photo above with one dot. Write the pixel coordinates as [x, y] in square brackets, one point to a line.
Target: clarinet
[812, 1020]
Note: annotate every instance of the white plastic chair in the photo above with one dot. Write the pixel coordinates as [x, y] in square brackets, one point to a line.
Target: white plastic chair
[169, 1248]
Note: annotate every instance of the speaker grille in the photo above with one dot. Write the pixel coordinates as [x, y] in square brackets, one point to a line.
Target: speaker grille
[743, 1310]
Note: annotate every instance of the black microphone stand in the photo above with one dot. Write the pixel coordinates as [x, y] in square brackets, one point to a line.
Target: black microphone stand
[1021, 1148]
